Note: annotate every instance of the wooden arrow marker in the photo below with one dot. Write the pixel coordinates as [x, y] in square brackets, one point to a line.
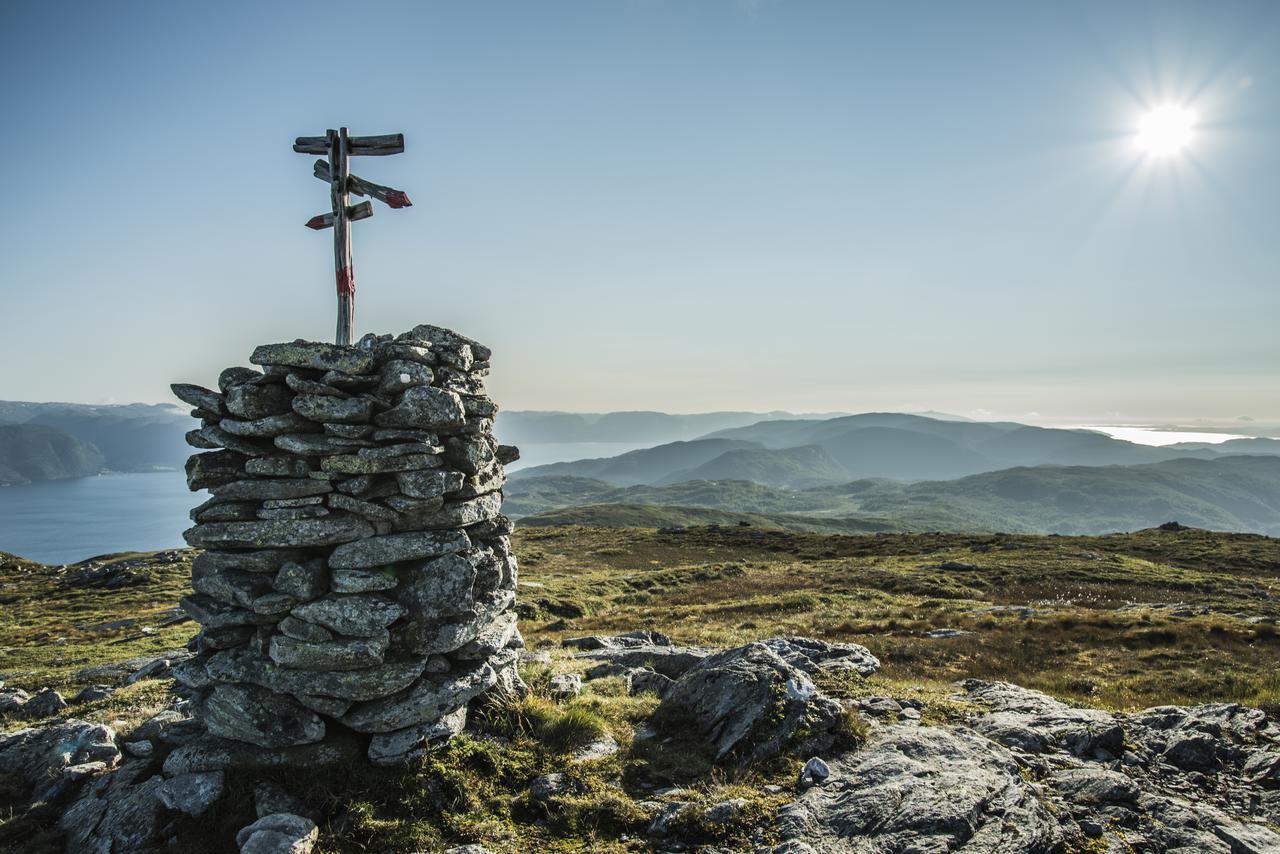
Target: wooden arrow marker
[335, 170]
[364, 210]
[389, 197]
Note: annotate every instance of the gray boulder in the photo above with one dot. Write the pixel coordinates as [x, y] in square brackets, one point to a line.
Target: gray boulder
[813, 656]
[915, 789]
[627, 640]
[750, 704]
[268, 427]
[37, 755]
[12, 700]
[363, 581]
[44, 703]
[255, 715]
[260, 489]
[280, 833]
[565, 686]
[671, 661]
[116, 812]
[1032, 722]
[555, 785]
[192, 794]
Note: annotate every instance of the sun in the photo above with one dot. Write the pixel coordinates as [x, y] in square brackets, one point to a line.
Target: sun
[1165, 130]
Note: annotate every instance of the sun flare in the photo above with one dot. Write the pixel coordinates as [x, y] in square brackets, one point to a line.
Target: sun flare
[1165, 130]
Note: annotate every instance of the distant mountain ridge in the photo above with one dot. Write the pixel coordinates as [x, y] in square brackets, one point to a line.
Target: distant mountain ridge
[876, 445]
[129, 437]
[1232, 493]
[520, 427]
[37, 452]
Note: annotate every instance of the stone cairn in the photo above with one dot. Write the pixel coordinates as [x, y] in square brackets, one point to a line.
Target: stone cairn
[357, 572]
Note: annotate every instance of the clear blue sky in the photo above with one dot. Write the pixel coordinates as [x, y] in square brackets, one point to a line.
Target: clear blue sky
[670, 205]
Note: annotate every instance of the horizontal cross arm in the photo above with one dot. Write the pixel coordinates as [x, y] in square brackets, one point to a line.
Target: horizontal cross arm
[390, 143]
[390, 197]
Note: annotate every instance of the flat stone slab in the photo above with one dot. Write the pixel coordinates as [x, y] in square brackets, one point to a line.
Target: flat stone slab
[255, 715]
[370, 683]
[425, 408]
[278, 533]
[262, 489]
[356, 614]
[210, 753]
[392, 548]
[314, 356]
[427, 700]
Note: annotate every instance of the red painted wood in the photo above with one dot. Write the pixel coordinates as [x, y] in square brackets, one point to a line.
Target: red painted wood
[346, 281]
[397, 199]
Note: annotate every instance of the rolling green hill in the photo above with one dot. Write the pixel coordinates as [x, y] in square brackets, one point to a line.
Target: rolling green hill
[805, 452]
[798, 468]
[648, 465]
[1234, 493]
[131, 437]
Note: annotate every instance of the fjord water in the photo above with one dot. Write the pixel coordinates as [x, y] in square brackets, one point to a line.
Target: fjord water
[64, 521]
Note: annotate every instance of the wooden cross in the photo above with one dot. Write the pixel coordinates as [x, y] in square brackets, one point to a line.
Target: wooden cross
[336, 173]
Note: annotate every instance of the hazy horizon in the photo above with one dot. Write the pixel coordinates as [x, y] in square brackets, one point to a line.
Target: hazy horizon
[1153, 432]
[666, 206]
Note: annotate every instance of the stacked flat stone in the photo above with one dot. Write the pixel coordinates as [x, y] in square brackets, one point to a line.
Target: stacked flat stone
[357, 573]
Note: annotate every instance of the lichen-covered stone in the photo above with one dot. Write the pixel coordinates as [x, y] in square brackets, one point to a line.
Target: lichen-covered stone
[355, 464]
[254, 400]
[258, 716]
[324, 408]
[370, 683]
[315, 356]
[424, 408]
[261, 489]
[278, 533]
[337, 567]
[429, 699]
[344, 654]
[359, 615]
[394, 548]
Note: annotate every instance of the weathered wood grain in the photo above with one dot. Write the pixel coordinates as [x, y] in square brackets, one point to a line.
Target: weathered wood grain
[376, 146]
[389, 196]
[364, 210]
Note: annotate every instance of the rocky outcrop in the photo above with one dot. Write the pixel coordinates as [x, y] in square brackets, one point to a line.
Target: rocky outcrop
[1027, 772]
[921, 789]
[1171, 777]
[752, 702]
[354, 532]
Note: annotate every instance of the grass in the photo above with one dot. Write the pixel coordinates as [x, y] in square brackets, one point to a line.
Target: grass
[1102, 631]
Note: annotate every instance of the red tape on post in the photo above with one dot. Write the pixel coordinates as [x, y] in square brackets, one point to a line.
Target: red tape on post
[346, 281]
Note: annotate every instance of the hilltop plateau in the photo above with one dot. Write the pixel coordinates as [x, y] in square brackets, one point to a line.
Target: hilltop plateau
[1066, 677]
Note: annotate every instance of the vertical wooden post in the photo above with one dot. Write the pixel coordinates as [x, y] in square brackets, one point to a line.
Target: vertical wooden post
[339, 169]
